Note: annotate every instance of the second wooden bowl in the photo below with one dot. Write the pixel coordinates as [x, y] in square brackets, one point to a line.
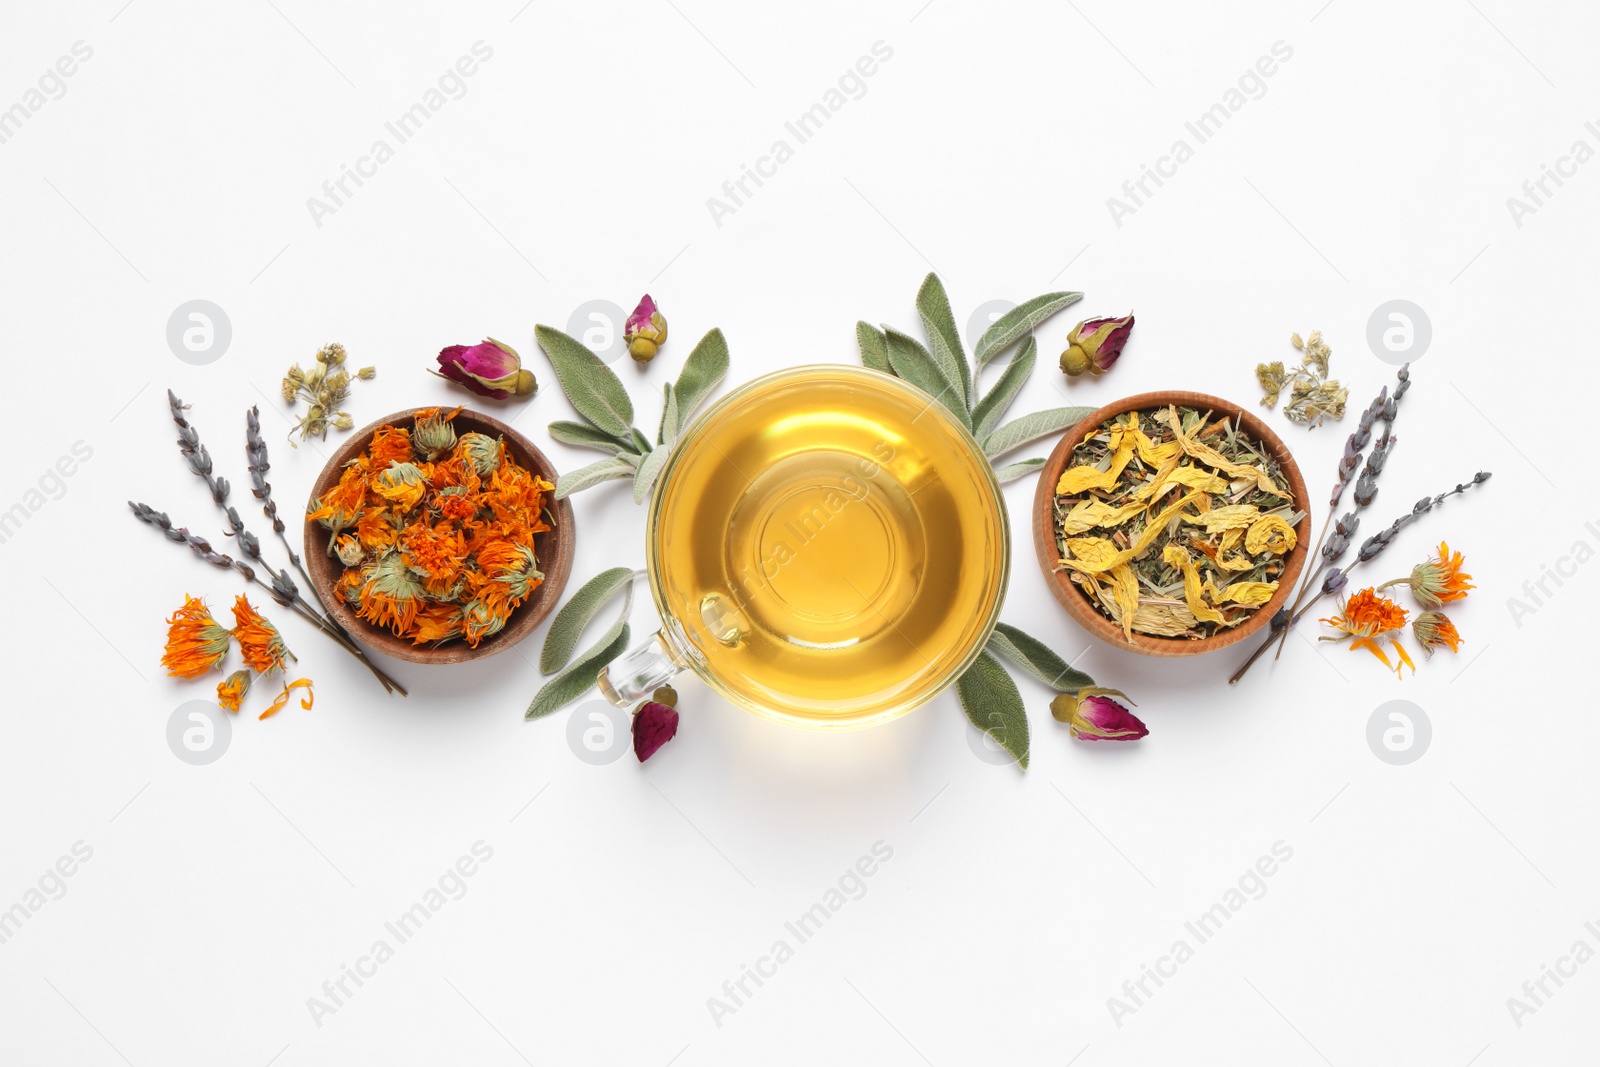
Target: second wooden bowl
[1078, 605]
[554, 549]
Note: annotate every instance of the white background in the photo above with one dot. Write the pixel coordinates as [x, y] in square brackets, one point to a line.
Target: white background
[577, 166]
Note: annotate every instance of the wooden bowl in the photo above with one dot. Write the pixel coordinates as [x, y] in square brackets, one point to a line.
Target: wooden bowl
[1077, 603]
[553, 547]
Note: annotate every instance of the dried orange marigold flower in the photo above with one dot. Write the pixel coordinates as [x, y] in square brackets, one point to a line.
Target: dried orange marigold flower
[195, 642]
[231, 690]
[259, 640]
[1434, 630]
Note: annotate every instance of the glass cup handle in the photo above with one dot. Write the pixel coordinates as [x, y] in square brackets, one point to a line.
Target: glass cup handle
[638, 672]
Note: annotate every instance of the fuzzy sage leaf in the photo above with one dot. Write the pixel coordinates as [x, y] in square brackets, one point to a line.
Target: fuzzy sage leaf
[993, 704]
[576, 614]
[668, 431]
[933, 305]
[649, 471]
[583, 435]
[1012, 471]
[591, 386]
[910, 361]
[595, 473]
[577, 679]
[874, 348]
[1011, 327]
[988, 412]
[701, 372]
[1019, 432]
[1033, 656]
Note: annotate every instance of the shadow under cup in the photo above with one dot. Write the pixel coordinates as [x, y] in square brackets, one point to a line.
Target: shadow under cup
[827, 547]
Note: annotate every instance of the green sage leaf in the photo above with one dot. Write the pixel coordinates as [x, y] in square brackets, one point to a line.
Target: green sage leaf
[577, 679]
[1011, 327]
[649, 471]
[874, 349]
[1019, 432]
[909, 360]
[701, 372]
[993, 704]
[583, 435]
[1033, 656]
[933, 305]
[1012, 471]
[591, 386]
[578, 612]
[992, 408]
[669, 416]
[595, 473]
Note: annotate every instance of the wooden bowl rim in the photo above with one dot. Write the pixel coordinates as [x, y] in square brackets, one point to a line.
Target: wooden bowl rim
[554, 547]
[1078, 605]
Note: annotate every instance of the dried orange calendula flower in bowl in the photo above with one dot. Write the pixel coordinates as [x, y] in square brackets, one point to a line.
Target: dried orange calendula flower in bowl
[435, 531]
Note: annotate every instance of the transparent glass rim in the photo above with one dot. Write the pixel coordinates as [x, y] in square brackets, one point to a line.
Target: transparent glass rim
[671, 627]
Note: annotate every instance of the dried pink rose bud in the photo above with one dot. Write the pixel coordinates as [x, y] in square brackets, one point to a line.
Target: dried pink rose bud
[654, 724]
[1094, 345]
[1092, 715]
[488, 369]
[645, 331]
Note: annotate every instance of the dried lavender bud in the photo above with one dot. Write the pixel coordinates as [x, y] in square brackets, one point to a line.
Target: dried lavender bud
[1366, 490]
[1376, 544]
[1334, 547]
[1379, 456]
[1348, 523]
[1280, 619]
[1334, 582]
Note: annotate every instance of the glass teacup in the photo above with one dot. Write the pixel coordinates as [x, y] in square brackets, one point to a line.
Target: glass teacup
[827, 547]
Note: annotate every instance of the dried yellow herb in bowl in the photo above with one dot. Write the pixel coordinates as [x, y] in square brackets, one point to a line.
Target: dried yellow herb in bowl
[1171, 523]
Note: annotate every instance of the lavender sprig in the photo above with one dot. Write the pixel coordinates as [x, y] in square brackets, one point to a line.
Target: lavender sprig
[255, 450]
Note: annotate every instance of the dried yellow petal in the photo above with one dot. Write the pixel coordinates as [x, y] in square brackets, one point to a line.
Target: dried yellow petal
[1270, 533]
[1230, 517]
[1174, 556]
[1088, 514]
[1154, 454]
[1092, 553]
[1163, 619]
[1125, 590]
[1249, 594]
[1199, 478]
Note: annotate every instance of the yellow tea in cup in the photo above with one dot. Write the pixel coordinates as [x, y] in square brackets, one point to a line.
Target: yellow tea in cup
[827, 546]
